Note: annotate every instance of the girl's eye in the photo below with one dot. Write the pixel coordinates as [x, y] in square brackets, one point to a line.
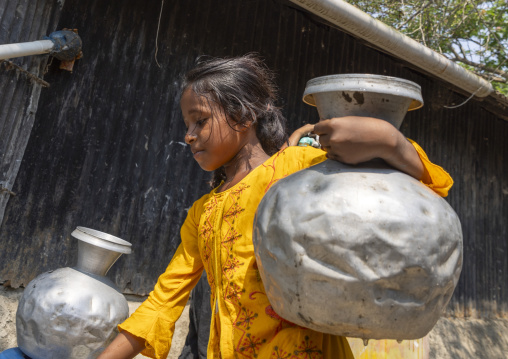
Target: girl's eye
[202, 122]
[198, 124]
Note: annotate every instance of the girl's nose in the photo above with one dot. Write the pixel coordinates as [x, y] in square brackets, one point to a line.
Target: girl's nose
[190, 138]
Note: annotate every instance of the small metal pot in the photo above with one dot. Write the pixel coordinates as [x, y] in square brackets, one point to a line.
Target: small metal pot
[73, 312]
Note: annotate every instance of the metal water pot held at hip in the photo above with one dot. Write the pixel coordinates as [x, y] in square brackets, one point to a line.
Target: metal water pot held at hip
[361, 251]
[73, 312]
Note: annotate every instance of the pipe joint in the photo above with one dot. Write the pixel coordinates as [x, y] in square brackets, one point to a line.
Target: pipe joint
[67, 45]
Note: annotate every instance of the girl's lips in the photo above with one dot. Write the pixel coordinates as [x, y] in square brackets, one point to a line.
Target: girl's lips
[197, 153]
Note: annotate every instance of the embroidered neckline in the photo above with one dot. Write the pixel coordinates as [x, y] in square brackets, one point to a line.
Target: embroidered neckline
[262, 165]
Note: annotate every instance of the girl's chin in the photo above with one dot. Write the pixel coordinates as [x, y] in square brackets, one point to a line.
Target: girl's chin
[206, 167]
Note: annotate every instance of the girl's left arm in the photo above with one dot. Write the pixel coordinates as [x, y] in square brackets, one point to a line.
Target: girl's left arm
[355, 139]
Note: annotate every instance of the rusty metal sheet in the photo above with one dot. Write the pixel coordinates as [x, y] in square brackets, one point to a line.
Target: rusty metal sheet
[20, 83]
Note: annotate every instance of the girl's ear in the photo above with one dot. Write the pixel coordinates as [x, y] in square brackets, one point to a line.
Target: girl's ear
[247, 124]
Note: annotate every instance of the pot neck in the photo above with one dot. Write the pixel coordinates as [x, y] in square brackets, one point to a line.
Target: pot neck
[95, 260]
[98, 251]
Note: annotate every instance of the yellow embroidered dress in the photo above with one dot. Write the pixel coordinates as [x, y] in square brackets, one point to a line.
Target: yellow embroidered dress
[217, 236]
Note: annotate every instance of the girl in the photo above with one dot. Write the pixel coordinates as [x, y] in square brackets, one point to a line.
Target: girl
[235, 129]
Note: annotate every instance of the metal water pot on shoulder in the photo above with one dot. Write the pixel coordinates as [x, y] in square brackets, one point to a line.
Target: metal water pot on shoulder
[361, 251]
[74, 312]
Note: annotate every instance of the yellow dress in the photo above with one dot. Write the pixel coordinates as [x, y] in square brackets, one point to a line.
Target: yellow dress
[217, 236]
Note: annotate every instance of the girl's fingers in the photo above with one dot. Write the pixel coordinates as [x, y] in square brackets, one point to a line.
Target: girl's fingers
[332, 156]
[324, 140]
[322, 128]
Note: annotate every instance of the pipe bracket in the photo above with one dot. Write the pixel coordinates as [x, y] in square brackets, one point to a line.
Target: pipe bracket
[67, 45]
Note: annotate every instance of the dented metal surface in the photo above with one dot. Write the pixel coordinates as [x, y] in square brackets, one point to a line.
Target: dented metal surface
[359, 251]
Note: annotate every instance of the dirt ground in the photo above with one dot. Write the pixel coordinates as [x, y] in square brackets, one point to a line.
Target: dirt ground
[454, 338]
[451, 338]
[8, 304]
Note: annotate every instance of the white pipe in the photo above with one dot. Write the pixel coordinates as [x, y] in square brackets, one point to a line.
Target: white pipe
[362, 25]
[25, 48]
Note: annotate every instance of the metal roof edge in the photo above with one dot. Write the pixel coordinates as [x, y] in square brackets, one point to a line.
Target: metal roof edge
[361, 25]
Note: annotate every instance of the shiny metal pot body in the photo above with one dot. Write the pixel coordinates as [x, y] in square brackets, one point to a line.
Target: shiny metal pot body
[73, 312]
[363, 251]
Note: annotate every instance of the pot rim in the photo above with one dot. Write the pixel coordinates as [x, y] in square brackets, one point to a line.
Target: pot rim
[388, 85]
[101, 239]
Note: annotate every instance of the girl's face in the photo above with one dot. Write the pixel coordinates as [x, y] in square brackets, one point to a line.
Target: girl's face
[213, 138]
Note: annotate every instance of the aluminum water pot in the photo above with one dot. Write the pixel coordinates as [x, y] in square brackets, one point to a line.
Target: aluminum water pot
[361, 251]
[73, 312]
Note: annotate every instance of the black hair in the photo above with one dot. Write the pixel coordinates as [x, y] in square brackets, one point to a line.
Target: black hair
[245, 90]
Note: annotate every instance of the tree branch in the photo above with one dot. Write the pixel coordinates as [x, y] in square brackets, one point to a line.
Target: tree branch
[482, 67]
[415, 14]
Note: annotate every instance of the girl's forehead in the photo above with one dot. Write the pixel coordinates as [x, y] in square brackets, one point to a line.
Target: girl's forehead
[193, 102]
[189, 95]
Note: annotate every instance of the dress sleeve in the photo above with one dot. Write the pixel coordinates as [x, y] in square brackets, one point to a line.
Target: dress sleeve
[154, 320]
[300, 157]
[434, 177]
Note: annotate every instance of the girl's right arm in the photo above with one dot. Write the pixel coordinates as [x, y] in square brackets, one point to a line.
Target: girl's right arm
[124, 346]
[150, 328]
[297, 135]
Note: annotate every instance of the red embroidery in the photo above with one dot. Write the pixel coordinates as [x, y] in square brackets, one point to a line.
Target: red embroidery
[230, 266]
[238, 191]
[307, 350]
[279, 353]
[251, 345]
[206, 234]
[246, 318]
[233, 212]
[233, 293]
[231, 238]
[272, 166]
[251, 295]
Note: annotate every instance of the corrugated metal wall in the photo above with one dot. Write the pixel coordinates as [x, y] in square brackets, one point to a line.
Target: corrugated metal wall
[106, 149]
[20, 83]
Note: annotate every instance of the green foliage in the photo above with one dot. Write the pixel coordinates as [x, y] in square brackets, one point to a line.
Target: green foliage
[473, 33]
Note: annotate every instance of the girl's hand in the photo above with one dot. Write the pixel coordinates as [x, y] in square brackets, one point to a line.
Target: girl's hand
[354, 139]
[297, 135]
